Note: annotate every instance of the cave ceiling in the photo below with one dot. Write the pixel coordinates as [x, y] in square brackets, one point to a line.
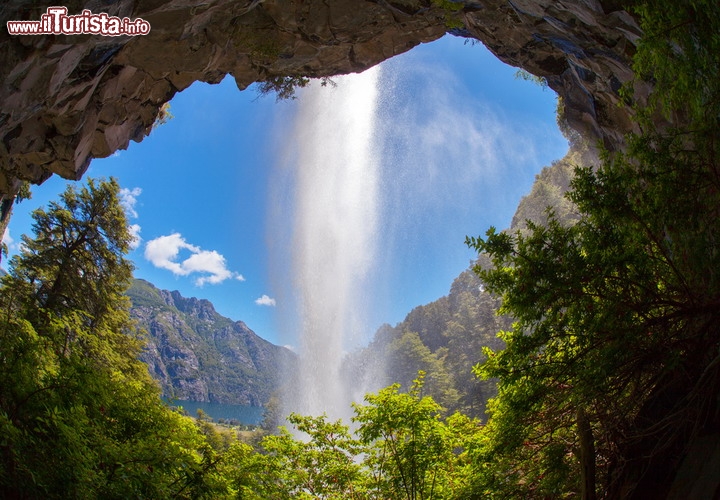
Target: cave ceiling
[67, 99]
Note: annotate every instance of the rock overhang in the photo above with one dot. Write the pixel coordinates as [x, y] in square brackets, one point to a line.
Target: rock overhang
[67, 99]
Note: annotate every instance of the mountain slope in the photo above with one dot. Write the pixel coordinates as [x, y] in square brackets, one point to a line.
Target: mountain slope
[445, 338]
[197, 354]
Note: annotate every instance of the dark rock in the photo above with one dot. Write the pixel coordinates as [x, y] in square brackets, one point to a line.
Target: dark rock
[68, 99]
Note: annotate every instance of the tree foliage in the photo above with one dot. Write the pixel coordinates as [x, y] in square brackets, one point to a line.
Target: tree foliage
[611, 367]
[412, 452]
[402, 449]
[79, 415]
[407, 355]
[679, 54]
[321, 466]
[285, 87]
[74, 394]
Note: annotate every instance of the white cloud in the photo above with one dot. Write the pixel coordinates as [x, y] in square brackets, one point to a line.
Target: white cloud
[163, 252]
[135, 234]
[7, 239]
[128, 200]
[209, 262]
[265, 301]
[12, 245]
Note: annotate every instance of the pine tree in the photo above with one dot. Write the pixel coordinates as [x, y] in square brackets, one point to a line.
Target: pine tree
[80, 416]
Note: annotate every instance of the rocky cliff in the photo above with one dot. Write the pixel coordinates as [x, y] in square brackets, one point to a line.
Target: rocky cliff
[67, 99]
[197, 354]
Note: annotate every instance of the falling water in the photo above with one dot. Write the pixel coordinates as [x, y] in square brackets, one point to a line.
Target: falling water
[334, 173]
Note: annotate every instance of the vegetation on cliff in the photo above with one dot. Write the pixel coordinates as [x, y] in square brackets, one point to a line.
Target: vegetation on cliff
[608, 378]
[610, 372]
[446, 338]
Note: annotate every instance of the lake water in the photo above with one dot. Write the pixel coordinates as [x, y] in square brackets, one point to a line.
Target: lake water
[248, 415]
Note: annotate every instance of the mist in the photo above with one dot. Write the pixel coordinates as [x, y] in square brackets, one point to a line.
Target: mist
[369, 173]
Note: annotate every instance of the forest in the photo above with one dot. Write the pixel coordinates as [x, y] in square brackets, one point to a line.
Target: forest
[608, 372]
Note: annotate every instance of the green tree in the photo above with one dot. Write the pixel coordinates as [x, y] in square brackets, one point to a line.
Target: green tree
[611, 367]
[324, 465]
[407, 355]
[80, 416]
[678, 53]
[252, 475]
[402, 449]
[412, 452]
[614, 321]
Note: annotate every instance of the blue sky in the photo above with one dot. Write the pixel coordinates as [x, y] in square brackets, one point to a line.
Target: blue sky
[462, 140]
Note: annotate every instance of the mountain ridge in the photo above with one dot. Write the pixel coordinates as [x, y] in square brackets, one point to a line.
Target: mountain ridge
[197, 354]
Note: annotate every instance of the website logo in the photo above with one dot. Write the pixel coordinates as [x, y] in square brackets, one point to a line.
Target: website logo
[56, 21]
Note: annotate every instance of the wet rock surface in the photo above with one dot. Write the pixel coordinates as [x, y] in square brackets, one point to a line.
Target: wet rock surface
[67, 99]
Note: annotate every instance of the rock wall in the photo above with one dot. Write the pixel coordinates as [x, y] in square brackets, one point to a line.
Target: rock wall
[582, 47]
[67, 99]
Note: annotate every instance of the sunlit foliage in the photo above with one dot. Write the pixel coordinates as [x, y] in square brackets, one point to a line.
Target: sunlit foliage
[79, 415]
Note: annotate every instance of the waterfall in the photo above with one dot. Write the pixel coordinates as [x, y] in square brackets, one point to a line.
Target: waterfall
[331, 178]
[376, 184]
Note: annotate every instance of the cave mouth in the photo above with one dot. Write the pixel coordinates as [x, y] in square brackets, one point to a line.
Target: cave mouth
[461, 138]
[455, 142]
[68, 99]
